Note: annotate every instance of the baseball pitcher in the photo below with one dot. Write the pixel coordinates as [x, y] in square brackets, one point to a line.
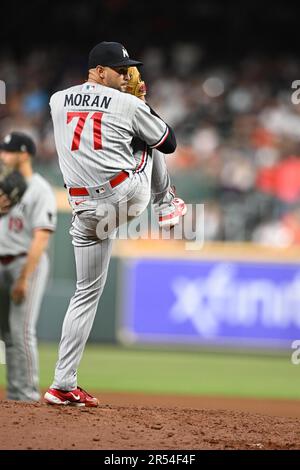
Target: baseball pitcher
[27, 219]
[104, 139]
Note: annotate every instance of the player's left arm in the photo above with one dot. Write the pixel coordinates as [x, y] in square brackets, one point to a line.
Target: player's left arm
[136, 86]
[169, 144]
[38, 246]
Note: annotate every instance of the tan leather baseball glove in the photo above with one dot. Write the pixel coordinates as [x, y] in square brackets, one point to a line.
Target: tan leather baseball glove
[136, 86]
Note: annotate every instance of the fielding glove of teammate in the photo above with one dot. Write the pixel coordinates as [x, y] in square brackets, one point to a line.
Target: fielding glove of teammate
[12, 184]
[136, 86]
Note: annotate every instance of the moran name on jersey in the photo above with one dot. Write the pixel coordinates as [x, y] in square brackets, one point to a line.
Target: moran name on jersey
[87, 100]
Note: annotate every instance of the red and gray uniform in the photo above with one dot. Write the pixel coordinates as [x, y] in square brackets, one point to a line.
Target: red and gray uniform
[36, 210]
[94, 126]
[96, 129]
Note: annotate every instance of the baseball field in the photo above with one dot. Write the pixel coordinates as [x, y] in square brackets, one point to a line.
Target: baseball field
[164, 399]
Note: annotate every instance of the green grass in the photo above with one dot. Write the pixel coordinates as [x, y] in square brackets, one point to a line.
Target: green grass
[111, 368]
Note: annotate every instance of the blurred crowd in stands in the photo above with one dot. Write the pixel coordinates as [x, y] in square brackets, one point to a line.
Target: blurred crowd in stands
[237, 128]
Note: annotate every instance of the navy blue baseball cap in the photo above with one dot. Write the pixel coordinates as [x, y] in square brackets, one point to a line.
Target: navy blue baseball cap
[18, 142]
[110, 54]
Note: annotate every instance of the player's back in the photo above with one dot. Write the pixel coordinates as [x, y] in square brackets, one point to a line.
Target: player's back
[93, 133]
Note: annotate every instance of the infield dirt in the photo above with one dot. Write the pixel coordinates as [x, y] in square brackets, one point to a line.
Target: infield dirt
[137, 421]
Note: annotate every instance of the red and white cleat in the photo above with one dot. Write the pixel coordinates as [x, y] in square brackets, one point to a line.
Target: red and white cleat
[178, 209]
[77, 397]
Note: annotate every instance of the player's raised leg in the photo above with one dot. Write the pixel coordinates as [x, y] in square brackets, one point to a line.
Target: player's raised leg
[167, 206]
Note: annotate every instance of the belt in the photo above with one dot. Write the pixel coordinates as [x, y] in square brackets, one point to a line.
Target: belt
[115, 181]
[9, 258]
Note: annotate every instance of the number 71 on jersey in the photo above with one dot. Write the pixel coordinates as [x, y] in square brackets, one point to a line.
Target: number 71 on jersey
[82, 117]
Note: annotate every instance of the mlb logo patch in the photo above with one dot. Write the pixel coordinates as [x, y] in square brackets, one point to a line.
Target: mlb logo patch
[89, 87]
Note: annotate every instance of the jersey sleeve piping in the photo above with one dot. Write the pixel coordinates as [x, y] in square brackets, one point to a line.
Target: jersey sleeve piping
[161, 140]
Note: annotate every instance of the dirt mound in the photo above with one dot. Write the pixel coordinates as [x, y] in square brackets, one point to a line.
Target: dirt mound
[38, 426]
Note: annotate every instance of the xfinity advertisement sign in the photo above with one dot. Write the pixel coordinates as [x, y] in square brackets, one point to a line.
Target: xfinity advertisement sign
[224, 303]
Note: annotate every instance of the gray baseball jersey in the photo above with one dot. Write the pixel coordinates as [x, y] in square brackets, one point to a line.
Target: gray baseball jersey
[37, 209]
[93, 128]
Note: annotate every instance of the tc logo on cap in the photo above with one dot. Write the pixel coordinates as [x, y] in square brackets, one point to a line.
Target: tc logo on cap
[7, 139]
[125, 53]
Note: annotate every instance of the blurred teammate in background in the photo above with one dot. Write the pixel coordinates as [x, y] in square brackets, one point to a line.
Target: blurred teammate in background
[25, 230]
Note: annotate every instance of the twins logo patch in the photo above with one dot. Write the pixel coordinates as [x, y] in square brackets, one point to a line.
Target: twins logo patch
[15, 224]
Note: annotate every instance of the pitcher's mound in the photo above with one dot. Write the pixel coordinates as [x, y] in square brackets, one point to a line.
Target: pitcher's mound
[40, 426]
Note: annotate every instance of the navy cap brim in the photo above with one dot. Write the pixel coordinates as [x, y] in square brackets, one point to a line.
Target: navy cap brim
[125, 63]
[9, 147]
[13, 147]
